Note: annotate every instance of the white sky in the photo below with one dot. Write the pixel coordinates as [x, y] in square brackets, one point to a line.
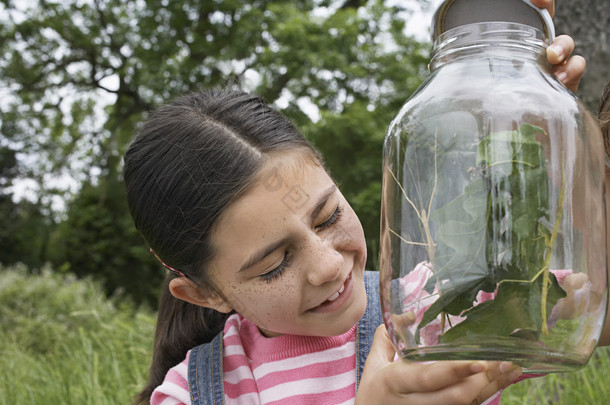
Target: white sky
[419, 25]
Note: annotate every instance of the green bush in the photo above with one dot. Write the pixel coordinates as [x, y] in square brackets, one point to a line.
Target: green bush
[63, 342]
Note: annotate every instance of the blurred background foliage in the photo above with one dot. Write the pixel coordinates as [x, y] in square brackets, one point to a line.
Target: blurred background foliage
[75, 78]
[77, 75]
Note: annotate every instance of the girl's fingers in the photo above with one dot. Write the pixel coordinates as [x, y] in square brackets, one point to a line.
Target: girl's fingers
[560, 50]
[568, 69]
[571, 72]
[443, 382]
[441, 375]
[499, 382]
[382, 351]
[475, 389]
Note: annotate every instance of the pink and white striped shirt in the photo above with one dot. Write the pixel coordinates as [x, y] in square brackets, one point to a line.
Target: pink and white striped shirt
[286, 369]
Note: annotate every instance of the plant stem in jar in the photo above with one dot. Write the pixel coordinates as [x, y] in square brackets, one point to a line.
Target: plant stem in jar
[550, 245]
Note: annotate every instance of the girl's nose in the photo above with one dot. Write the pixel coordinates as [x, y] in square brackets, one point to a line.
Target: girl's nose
[326, 263]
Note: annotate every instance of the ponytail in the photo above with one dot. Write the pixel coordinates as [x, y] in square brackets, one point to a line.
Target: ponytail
[181, 326]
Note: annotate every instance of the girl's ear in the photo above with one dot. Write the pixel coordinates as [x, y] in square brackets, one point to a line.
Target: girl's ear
[184, 289]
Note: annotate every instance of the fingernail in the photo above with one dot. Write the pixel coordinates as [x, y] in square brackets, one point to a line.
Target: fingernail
[557, 51]
[505, 367]
[477, 367]
[561, 76]
[515, 374]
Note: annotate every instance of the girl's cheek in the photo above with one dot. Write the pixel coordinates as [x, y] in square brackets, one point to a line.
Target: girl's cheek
[350, 230]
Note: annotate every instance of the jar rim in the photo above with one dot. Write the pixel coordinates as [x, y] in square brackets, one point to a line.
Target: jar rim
[493, 36]
[491, 31]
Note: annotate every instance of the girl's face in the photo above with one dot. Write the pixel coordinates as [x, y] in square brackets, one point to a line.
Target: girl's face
[290, 254]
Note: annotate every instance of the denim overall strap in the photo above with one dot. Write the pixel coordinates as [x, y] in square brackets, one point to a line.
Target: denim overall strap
[205, 373]
[368, 323]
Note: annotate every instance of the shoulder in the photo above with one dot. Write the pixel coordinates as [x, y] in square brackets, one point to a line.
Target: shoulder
[175, 389]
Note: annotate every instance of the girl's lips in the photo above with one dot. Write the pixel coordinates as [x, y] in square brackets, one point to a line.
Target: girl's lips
[336, 300]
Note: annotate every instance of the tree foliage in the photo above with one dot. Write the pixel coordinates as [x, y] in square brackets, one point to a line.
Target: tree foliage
[80, 74]
[98, 239]
[24, 230]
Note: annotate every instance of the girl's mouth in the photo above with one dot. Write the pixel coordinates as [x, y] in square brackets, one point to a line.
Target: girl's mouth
[336, 300]
[336, 295]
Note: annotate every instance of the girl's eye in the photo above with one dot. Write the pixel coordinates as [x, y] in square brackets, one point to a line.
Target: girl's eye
[279, 270]
[331, 220]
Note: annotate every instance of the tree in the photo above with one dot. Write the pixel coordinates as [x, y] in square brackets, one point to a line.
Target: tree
[98, 239]
[81, 74]
[24, 229]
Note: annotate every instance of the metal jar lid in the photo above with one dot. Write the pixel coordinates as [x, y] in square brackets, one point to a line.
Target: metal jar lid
[455, 13]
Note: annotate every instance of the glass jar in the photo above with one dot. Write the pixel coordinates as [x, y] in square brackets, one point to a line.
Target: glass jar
[492, 217]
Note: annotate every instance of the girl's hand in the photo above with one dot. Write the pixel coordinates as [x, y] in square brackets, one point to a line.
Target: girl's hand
[568, 70]
[445, 382]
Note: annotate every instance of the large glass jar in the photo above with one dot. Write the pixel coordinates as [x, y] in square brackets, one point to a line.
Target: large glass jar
[492, 217]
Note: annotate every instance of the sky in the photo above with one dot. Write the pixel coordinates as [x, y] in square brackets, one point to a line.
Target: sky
[419, 24]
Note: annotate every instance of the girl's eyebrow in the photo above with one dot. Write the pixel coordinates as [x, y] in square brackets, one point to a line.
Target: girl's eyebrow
[261, 254]
[322, 202]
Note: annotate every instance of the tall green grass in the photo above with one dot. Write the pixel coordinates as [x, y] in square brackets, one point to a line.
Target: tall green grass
[63, 342]
[589, 385]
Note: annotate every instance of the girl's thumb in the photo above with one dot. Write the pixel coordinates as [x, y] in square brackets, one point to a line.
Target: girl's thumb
[382, 351]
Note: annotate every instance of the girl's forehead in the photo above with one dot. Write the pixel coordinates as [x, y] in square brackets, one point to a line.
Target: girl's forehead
[283, 169]
[283, 187]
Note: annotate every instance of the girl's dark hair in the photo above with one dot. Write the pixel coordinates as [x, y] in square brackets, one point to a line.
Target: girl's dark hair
[189, 161]
[604, 117]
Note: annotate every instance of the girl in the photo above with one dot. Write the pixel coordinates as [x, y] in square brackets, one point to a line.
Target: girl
[267, 299]
[264, 248]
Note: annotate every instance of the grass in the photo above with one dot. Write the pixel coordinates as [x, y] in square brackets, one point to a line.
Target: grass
[63, 342]
[586, 386]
